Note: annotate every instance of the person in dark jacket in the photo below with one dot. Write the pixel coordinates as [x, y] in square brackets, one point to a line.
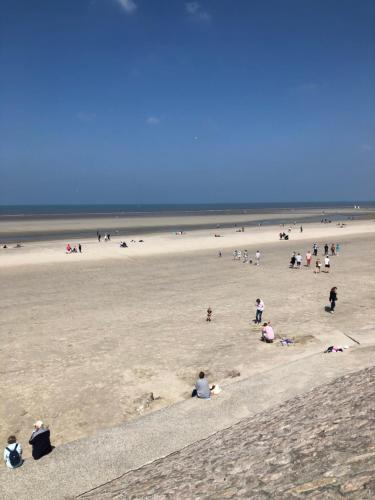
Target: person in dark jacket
[333, 299]
[40, 440]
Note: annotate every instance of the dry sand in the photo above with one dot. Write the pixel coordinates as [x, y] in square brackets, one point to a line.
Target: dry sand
[83, 337]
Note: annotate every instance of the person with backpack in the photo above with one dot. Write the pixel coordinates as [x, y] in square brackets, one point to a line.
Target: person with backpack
[13, 453]
[40, 440]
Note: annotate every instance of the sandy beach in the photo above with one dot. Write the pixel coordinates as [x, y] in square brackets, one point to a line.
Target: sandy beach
[86, 337]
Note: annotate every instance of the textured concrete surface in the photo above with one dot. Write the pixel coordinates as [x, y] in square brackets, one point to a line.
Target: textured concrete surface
[318, 446]
[83, 465]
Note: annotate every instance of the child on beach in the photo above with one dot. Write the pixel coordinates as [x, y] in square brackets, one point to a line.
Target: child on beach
[257, 258]
[259, 305]
[13, 453]
[299, 260]
[202, 388]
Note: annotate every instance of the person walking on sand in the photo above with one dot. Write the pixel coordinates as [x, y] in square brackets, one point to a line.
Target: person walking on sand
[326, 249]
[293, 260]
[219, 254]
[257, 258]
[315, 249]
[209, 314]
[308, 258]
[327, 264]
[318, 265]
[79, 247]
[301, 229]
[333, 249]
[40, 440]
[333, 299]
[337, 248]
[259, 308]
[299, 260]
[234, 254]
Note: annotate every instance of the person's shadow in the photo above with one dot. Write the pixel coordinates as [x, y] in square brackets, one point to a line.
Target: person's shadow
[327, 309]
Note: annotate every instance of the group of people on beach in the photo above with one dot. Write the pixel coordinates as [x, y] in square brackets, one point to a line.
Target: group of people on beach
[244, 256]
[296, 258]
[75, 249]
[40, 441]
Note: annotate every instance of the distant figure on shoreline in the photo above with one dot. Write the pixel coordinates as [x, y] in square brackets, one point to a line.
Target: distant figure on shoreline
[259, 308]
[40, 440]
[315, 249]
[209, 314]
[326, 249]
[13, 453]
[79, 247]
[257, 258]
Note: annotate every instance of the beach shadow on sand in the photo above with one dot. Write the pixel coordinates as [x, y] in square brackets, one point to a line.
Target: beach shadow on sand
[327, 309]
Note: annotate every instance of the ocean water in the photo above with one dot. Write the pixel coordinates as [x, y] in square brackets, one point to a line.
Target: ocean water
[167, 209]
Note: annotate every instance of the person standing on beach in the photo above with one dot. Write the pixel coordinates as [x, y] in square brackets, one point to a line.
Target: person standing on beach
[301, 229]
[308, 258]
[326, 249]
[333, 299]
[327, 264]
[318, 265]
[257, 258]
[293, 260]
[234, 254]
[79, 247]
[337, 248]
[333, 249]
[219, 254]
[299, 260]
[259, 305]
[99, 237]
[315, 249]
[209, 314]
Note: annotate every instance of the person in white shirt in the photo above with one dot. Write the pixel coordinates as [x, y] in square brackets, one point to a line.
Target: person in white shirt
[299, 260]
[13, 453]
[257, 257]
[327, 264]
[259, 304]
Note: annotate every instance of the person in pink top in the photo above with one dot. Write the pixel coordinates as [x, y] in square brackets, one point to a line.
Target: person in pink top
[308, 258]
[268, 335]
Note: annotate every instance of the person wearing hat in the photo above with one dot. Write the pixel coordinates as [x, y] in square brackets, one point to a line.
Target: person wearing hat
[40, 440]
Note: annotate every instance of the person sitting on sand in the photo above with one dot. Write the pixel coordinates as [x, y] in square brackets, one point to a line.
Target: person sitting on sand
[202, 389]
[40, 440]
[68, 248]
[209, 314]
[268, 334]
[13, 453]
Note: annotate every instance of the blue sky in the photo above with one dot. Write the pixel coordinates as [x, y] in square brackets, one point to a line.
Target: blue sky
[166, 101]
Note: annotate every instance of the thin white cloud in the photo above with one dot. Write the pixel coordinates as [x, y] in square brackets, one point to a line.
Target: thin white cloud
[129, 6]
[84, 116]
[307, 87]
[192, 7]
[153, 120]
[195, 11]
